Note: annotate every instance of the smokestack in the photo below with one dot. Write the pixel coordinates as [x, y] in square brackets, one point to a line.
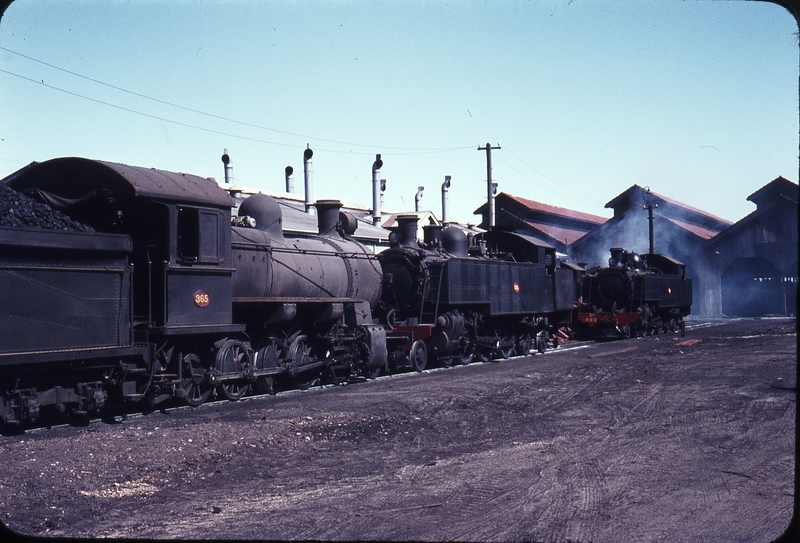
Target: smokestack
[417, 197]
[289, 179]
[226, 160]
[376, 190]
[445, 206]
[328, 216]
[307, 154]
[407, 230]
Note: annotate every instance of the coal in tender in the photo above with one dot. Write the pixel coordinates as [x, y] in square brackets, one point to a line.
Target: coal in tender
[20, 211]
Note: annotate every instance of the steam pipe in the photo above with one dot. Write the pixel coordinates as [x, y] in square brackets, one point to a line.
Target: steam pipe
[307, 154]
[445, 190]
[376, 190]
[289, 179]
[417, 197]
[226, 160]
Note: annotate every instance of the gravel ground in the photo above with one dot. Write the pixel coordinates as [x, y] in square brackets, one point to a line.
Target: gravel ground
[655, 439]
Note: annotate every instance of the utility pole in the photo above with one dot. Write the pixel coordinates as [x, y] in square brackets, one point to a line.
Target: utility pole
[649, 207]
[490, 187]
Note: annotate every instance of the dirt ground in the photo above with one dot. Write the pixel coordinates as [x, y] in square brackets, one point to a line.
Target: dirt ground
[654, 439]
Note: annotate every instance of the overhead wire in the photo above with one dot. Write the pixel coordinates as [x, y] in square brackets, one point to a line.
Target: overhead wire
[123, 108]
[571, 196]
[408, 150]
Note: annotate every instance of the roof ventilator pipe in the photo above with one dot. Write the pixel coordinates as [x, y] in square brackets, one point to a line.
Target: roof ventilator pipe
[226, 160]
[445, 202]
[376, 190]
[289, 179]
[307, 154]
[417, 198]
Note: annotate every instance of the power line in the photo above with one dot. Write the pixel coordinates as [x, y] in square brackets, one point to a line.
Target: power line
[548, 178]
[219, 117]
[129, 110]
[572, 197]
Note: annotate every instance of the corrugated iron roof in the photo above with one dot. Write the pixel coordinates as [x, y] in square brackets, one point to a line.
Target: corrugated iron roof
[557, 211]
[627, 195]
[698, 231]
[565, 235]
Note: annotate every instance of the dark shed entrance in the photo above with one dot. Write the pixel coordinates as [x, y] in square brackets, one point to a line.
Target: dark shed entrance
[753, 287]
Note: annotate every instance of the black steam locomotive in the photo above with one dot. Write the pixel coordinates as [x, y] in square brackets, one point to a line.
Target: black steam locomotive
[634, 295]
[165, 300]
[453, 300]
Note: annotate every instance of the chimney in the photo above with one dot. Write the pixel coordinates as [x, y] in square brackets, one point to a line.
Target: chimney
[226, 160]
[307, 154]
[407, 230]
[376, 190]
[445, 203]
[289, 179]
[328, 216]
[417, 197]
[616, 260]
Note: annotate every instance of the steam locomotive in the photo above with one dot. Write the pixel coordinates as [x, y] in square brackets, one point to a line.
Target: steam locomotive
[454, 301]
[167, 301]
[634, 295]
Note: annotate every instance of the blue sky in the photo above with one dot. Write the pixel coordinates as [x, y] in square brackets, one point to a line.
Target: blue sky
[697, 100]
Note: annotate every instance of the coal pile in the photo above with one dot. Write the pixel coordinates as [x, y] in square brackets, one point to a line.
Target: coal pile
[20, 211]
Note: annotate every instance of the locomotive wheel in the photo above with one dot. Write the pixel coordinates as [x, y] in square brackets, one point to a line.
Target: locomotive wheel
[481, 355]
[418, 355]
[464, 358]
[541, 341]
[299, 356]
[626, 332]
[505, 347]
[524, 345]
[192, 377]
[673, 326]
[233, 357]
[269, 355]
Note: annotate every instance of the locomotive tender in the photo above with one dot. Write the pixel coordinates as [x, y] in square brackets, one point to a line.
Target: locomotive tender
[635, 295]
